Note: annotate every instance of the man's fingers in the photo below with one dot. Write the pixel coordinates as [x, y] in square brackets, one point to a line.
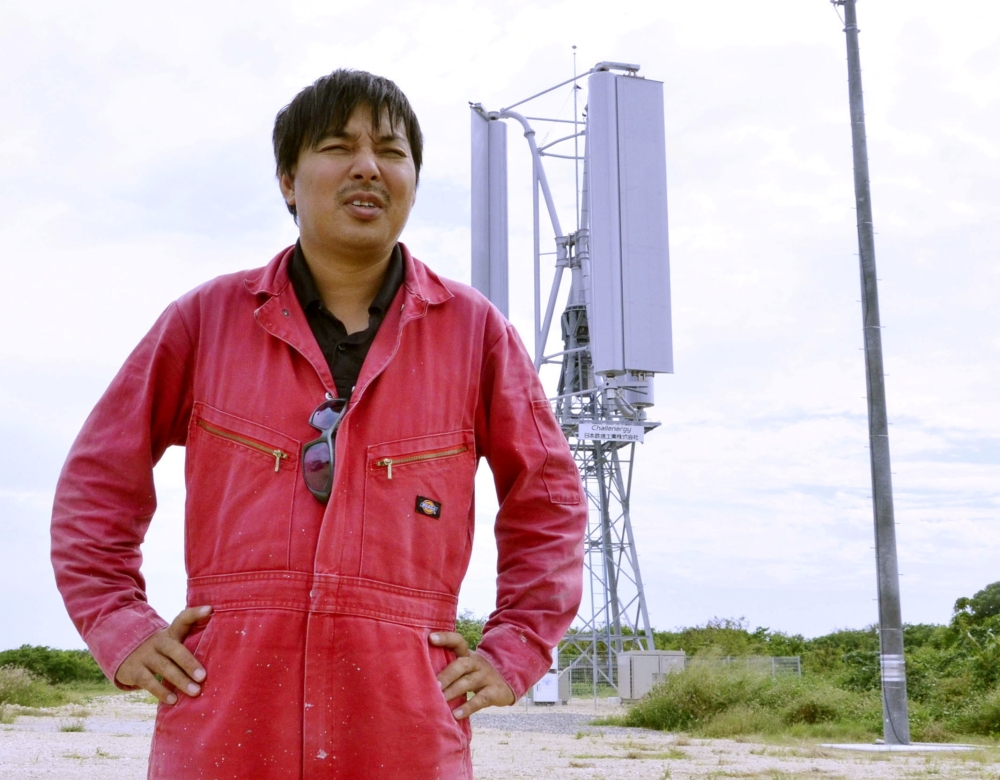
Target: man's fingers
[459, 677]
[163, 658]
[165, 667]
[148, 682]
[176, 655]
[185, 620]
[469, 672]
[148, 670]
[453, 640]
[474, 674]
[173, 647]
[486, 697]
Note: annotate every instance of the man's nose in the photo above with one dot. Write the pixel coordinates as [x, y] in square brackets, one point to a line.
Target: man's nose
[365, 165]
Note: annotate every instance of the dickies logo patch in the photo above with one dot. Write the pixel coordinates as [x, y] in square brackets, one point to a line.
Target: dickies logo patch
[428, 507]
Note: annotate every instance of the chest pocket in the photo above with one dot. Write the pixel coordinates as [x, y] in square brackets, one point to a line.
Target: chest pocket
[418, 511]
[241, 479]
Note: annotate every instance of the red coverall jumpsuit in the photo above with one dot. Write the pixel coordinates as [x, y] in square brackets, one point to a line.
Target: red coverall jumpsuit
[317, 654]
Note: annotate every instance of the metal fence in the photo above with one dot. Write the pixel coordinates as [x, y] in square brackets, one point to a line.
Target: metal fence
[774, 665]
[581, 673]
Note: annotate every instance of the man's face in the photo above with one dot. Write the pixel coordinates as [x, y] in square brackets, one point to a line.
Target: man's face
[353, 190]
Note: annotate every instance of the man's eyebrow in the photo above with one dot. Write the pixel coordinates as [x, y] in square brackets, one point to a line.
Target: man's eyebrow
[384, 138]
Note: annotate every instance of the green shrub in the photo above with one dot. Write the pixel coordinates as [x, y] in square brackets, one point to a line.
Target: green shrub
[682, 701]
[14, 684]
[729, 636]
[55, 666]
[23, 687]
[984, 604]
[919, 635]
[817, 704]
[981, 715]
[932, 731]
[861, 670]
[726, 701]
[471, 628]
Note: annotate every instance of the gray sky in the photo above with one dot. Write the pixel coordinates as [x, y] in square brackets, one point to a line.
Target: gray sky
[135, 161]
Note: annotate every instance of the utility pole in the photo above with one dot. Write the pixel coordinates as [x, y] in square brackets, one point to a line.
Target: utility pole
[895, 719]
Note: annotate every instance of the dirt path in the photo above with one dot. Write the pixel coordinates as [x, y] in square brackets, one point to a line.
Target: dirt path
[518, 742]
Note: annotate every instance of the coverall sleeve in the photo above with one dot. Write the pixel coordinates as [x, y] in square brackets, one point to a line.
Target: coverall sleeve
[105, 497]
[541, 521]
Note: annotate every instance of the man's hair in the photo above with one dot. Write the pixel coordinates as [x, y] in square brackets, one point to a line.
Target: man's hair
[325, 106]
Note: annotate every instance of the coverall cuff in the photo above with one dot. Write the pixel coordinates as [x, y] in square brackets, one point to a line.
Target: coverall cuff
[512, 653]
[113, 639]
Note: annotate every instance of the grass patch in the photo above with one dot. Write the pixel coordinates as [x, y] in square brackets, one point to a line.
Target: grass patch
[741, 720]
[24, 688]
[720, 701]
[714, 701]
[980, 715]
[75, 726]
[659, 755]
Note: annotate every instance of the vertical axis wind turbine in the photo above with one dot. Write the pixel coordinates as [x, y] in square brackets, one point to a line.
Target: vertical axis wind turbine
[616, 325]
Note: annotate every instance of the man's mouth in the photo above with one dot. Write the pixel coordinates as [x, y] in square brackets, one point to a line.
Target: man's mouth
[365, 199]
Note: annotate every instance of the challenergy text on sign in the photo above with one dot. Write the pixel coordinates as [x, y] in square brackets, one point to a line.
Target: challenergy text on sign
[611, 431]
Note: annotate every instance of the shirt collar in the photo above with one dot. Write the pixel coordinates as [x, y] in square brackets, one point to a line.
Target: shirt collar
[308, 295]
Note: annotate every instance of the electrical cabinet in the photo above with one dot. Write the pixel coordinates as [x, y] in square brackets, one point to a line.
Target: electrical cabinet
[640, 670]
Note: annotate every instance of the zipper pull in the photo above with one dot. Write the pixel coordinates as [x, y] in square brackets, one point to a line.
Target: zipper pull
[387, 462]
[278, 455]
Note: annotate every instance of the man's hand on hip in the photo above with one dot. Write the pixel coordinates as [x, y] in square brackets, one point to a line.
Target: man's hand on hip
[470, 672]
[162, 657]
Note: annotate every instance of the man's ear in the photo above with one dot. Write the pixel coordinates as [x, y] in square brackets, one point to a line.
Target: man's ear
[286, 182]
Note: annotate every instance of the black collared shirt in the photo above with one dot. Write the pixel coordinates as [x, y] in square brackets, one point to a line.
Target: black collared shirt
[344, 353]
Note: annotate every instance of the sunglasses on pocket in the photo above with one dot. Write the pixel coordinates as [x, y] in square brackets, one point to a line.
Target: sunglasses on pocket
[318, 455]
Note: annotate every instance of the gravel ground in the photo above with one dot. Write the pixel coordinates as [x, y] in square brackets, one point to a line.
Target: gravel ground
[108, 739]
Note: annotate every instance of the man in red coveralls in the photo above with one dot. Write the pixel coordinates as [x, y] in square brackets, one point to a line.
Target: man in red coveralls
[333, 405]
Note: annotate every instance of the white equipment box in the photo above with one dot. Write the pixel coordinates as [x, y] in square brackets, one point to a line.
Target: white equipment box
[640, 670]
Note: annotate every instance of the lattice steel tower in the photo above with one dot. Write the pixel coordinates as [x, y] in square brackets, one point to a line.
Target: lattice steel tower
[616, 324]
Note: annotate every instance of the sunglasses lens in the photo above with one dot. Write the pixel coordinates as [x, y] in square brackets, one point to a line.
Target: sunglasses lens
[326, 416]
[317, 467]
